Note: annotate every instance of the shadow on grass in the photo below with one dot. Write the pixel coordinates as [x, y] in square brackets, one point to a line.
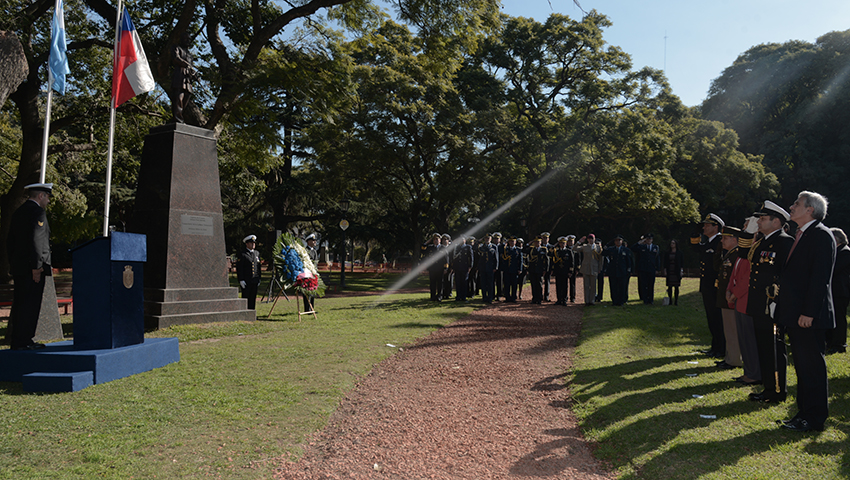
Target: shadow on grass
[647, 422]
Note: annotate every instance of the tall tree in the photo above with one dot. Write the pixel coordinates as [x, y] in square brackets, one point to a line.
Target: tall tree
[789, 103]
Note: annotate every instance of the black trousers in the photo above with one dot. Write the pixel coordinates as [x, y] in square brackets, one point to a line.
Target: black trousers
[547, 277]
[715, 320]
[487, 288]
[600, 287]
[561, 282]
[572, 287]
[250, 292]
[618, 286]
[536, 280]
[26, 308]
[497, 282]
[646, 284]
[462, 283]
[772, 365]
[435, 282]
[807, 350]
[447, 283]
[510, 280]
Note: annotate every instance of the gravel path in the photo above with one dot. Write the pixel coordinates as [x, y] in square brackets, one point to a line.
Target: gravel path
[484, 398]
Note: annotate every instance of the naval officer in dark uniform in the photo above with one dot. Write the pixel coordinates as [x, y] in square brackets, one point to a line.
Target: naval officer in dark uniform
[707, 250]
[28, 247]
[767, 257]
[248, 270]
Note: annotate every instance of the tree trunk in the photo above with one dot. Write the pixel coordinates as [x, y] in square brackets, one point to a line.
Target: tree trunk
[26, 99]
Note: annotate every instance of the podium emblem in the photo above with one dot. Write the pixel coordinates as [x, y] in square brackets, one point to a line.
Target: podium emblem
[128, 276]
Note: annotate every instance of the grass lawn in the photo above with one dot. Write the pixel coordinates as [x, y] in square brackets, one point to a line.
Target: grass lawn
[242, 395]
[245, 394]
[633, 396]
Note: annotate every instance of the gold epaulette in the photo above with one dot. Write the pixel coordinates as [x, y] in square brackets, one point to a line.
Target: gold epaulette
[695, 240]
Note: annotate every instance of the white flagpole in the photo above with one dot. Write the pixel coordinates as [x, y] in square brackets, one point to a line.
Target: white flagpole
[111, 126]
[43, 171]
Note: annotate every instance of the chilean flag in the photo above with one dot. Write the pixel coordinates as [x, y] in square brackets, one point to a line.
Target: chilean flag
[131, 74]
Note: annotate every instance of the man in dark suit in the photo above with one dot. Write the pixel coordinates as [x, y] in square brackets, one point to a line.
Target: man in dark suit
[707, 250]
[648, 262]
[28, 247]
[248, 270]
[805, 308]
[619, 270]
[431, 254]
[767, 256]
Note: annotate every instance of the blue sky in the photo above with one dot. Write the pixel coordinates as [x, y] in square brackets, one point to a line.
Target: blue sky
[703, 37]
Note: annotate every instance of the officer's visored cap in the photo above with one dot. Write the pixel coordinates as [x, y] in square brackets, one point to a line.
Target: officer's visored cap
[497, 235]
[312, 236]
[731, 232]
[41, 187]
[435, 235]
[770, 208]
[249, 238]
[713, 219]
[562, 239]
[545, 234]
[573, 237]
[447, 236]
[520, 240]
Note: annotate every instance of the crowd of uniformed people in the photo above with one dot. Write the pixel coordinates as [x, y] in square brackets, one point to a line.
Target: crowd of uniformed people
[498, 267]
[758, 284]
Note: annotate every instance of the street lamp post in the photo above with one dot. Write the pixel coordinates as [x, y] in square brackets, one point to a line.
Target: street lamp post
[343, 224]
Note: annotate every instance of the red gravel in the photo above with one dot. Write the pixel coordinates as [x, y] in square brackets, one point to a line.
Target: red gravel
[484, 398]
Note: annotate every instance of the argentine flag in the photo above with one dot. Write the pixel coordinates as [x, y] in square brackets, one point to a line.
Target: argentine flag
[58, 61]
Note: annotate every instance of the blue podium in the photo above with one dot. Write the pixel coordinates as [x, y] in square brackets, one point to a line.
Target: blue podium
[109, 333]
[109, 292]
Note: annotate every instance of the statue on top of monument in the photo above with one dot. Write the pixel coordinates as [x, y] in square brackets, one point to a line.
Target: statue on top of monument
[181, 80]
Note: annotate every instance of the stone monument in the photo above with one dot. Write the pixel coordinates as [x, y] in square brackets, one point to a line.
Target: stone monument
[178, 207]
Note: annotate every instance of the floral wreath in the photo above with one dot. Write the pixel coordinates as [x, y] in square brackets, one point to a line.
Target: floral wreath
[295, 269]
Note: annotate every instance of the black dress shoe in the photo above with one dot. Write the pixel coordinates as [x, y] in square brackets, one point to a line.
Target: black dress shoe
[725, 366]
[765, 397]
[31, 346]
[800, 425]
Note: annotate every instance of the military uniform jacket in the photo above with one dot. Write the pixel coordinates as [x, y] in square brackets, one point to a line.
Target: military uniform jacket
[28, 245]
[563, 261]
[648, 257]
[725, 264]
[766, 259]
[620, 261]
[248, 266]
[463, 258]
[488, 257]
[538, 260]
[510, 260]
[430, 250]
[707, 252]
[806, 278]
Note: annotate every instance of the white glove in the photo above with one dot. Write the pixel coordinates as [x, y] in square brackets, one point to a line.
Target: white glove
[242, 282]
[752, 225]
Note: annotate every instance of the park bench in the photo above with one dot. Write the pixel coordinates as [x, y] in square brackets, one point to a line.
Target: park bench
[64, 299]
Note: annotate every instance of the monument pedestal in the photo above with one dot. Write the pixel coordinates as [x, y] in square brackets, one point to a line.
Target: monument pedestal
[178, 207]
